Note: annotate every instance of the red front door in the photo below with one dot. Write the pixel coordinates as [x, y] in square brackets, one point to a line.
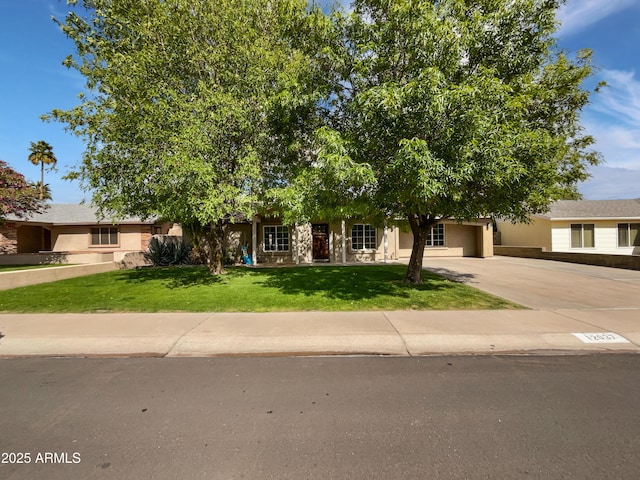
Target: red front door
[320, 232]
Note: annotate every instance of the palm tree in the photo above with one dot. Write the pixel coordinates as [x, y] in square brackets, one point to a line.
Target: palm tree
[45, 191]
[42, 153]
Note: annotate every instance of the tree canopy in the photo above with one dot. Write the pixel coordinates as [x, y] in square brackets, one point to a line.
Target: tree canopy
[456, 109]
[17, 196]
[186, 101]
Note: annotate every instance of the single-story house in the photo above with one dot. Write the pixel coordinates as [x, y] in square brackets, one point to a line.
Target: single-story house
[584, 226]
[267, 240]
[72, 229]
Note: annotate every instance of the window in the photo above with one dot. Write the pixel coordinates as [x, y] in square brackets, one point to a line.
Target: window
[436, 236]
[629, 234]
[582, 235]
[276, 238]
[104, 236]
[363, 237]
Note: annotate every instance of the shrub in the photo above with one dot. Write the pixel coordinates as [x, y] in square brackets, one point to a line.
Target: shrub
[229, 256]
[168, 251]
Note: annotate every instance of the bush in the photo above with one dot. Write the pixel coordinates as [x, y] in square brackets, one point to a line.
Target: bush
[166, 252]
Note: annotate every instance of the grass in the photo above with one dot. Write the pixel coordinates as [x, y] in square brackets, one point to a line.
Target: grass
[11, 268]
[193, 289]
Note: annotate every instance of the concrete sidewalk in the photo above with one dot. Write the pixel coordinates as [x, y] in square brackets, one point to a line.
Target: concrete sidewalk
[404, 333]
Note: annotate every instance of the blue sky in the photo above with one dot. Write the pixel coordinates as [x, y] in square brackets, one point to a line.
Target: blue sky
[33, 81]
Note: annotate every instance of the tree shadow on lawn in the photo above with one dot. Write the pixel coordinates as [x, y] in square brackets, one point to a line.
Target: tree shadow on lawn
[339, 282]
[174, 277]
[346, 283]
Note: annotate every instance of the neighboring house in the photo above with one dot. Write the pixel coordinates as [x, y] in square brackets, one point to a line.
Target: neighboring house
[267, 240]
[584, 226]
[75, 229]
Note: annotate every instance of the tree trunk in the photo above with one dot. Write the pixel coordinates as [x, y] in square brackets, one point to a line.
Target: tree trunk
[420, 228]
[215, 239]
[41, 180]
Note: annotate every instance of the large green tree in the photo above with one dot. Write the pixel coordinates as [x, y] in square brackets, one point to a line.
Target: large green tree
[454, 109]
[194, 107]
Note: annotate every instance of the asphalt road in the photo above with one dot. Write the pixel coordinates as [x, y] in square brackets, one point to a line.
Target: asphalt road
[572, 417]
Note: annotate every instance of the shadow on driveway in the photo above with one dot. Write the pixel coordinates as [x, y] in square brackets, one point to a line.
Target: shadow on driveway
[451, 275]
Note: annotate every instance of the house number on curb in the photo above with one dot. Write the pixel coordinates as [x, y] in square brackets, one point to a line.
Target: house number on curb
[605, 337]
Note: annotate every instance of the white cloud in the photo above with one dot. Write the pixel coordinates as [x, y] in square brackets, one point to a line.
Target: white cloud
[611, 183]
[613, 119]
[617, 145]
[621, 97]
[576, 15]
[56, 12]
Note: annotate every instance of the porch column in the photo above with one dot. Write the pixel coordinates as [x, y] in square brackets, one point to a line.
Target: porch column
[296, 239]
[485, 240]
[386, 242]
[344, 242]
[254, 240]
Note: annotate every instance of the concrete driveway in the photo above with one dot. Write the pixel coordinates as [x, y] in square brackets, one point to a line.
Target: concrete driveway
[544, 284]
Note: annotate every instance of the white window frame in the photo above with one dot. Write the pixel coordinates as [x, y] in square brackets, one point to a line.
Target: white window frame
[368, 234]
[582, 229]
[435, 238]
[280, 232]
[629, 240]
[102, 235]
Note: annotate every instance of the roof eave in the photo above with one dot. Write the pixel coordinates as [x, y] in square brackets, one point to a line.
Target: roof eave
[591, 218]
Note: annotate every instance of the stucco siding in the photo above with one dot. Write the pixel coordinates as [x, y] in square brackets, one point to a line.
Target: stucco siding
[405, 241]
[70, 238]
[77, 238]
[485, 240]
[29, 239]
[470, 239]
[335, 242]
[392, 244]
[286, 256]
[368, 255]
[238, 235]
[459, 241]
[130, 237]
[534, 234]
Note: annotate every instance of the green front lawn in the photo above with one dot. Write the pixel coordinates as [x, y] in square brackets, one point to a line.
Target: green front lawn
[193, 289]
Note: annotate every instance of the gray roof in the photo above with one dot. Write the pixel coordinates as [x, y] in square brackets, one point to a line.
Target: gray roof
[586, 209]
[73, 213]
